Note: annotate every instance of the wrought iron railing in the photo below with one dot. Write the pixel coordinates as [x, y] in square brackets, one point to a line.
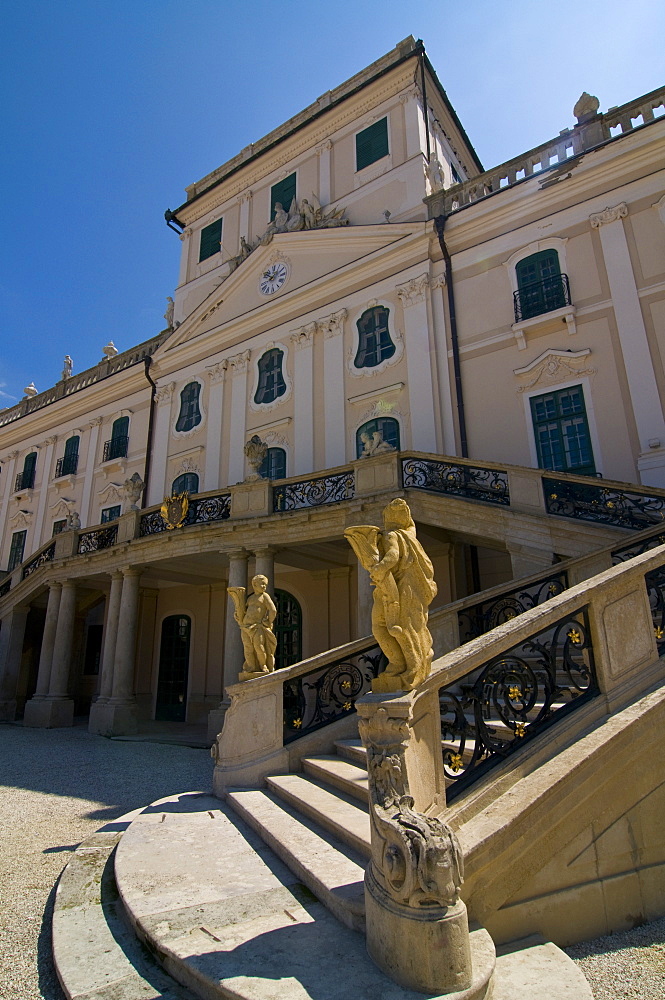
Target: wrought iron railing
[495, 709]
[314, 492]
[201, 511]
[630, 549]
[66, 466]
[485, 615]
[603, 504]
[100, 538]
[115, 448]
[543, 296]
[328, 693]
[43, 557]
[655, 584]
[469, 481]
[6, 586]
[25, 480]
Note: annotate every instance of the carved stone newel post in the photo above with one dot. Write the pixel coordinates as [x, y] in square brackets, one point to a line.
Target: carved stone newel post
[416, 924]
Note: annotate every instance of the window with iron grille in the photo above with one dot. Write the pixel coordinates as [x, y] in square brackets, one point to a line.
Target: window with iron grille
[372, 144]
[117, 446]
[271, 379]
[188, 482]
[274, 464]
[283, 194]
[16, 550]
[110, 514]
[541, 287]
[211, 240]
[374, 342]
[190, 413]
[26, 479]
[561, 430]
[387, 427]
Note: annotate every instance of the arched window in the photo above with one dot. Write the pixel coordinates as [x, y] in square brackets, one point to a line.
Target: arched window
[188, 482]
[541, 287]
[288, 630]
[271, 380]
[190, 414]
[68, 464]
[117, 446]
[173, 669]
[388, 431]
[274, 464]
[26, 479]
[374, 343]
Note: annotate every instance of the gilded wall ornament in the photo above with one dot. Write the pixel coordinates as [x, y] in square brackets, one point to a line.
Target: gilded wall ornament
[174, 510]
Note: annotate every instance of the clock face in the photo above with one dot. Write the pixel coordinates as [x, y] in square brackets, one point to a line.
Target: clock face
[273, 278]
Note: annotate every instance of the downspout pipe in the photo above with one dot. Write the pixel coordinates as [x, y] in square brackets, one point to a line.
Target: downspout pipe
[147, 361]
[439, 224]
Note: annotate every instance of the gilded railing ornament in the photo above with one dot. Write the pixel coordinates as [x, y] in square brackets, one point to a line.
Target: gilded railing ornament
[174, 510]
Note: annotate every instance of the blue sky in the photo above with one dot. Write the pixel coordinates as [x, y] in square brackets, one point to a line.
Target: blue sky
[111, 107]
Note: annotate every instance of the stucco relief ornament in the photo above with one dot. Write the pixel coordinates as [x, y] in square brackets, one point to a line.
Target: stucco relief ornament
[254, 617]
[404, 587]
[609, 215]
[132, 490]
[255, 452]
[174, 510]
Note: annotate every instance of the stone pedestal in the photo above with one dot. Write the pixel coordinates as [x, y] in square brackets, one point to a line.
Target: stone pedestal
[113, 718]
[216, 721]
[49, 713]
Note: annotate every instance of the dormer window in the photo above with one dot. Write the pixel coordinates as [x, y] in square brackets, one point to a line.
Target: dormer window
[211, 240]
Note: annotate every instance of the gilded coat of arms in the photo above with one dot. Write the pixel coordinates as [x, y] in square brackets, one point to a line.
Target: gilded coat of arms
[174, 510]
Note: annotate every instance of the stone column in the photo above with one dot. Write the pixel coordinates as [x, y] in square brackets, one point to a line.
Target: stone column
[245, 202]
[265, 564]
[334, 403]
[213, 457]
[57, 708]
[34, 708]
[238, 366]
[635, 350]
[233, 652]
[160, 444]
[419, 363]
[90, 463]
[11, 650]
[365, 598]
[303, 402]
[97, 720]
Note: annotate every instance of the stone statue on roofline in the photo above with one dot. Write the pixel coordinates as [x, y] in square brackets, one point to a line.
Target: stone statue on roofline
[168, 315]
[67, 368]
[404, 587]
[255, 616]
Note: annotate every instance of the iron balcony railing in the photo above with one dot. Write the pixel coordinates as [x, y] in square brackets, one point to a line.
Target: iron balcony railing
[25, 480]
[115, 448]
[66, 466]
[543, 296]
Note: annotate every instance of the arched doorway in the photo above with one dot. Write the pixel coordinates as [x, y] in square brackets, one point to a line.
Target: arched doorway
[288, 629]
[173, 669]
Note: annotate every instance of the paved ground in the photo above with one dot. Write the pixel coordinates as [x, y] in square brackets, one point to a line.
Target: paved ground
[58, 786]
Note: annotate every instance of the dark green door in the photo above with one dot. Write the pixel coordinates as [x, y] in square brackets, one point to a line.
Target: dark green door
[173, 669]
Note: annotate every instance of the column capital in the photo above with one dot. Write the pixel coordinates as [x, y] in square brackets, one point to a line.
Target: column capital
[164, 392]
[132, 571]
[238, 553]
[116, 574]
[238, 363]
[413, 291]
[608, 215]
[266, 550]
[217, 373]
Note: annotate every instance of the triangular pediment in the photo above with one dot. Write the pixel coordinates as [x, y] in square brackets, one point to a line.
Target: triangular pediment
[304, 260]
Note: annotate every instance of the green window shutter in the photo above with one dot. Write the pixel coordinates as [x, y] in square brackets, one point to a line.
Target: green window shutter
[211, 239]
[16, 550]
[284, 193]
[120, 428]
[72, 447]
[561, 430]
[372, 144]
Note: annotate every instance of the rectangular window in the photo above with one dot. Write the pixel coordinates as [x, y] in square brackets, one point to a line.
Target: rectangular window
[110, 514]
[59, 526]
[372, 144]
[16, 550]
[211, 240]
[561, 430]
[282, 193]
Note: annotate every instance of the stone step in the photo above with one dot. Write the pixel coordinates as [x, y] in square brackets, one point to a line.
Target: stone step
[331, 870]
[96, 955]
[341, 774]
[352, 750]
[336, 813]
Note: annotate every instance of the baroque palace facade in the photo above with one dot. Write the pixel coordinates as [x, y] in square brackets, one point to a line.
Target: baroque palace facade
[354, 289]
